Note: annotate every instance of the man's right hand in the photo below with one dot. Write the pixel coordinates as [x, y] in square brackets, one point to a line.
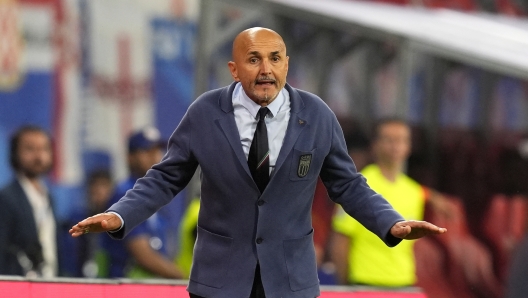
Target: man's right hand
[102, 222]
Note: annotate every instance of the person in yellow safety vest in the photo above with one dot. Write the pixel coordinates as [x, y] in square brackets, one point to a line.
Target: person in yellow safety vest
[360, 257]
[187, 237]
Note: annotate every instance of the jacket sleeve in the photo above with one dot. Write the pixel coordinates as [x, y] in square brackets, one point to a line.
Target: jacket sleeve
[349, 188]
[161, 183]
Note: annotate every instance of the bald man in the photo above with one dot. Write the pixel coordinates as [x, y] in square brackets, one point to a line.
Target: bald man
[261, 145]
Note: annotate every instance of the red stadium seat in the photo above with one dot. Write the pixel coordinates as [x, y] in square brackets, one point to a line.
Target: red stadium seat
[469, 263]
[518, 214]
[504, 226]
[431, 269]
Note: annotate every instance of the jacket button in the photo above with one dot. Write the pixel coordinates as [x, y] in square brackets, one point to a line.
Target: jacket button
[260, 202]
[259, 240]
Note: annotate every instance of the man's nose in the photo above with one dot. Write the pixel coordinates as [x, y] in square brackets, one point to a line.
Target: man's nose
[265, 67]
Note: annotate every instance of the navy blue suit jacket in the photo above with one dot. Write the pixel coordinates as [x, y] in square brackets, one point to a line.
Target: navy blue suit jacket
[238, 226]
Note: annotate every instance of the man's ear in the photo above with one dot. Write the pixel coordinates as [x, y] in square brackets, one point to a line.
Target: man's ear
[233, 70]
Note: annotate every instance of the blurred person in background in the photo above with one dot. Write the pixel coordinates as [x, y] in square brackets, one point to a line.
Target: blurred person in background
[358, 145]
[360, 258]
[99, 190]
[28, 233]
[142, 254]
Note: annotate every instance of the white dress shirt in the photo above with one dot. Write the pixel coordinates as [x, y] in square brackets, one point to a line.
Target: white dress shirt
[246, 111]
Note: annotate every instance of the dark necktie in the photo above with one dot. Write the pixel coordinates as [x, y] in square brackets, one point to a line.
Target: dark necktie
[258, 159]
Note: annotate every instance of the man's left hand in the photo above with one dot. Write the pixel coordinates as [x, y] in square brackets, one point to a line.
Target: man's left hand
[413, 229]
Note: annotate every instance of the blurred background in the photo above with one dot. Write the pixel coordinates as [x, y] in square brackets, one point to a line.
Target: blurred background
[90, 72]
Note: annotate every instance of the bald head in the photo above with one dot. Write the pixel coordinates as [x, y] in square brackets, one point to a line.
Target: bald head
[252, 35]
[259, 63]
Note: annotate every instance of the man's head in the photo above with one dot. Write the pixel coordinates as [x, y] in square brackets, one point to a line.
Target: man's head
[392, 142]
[144, 150]
[30, 152]
[99, 187]
[259, 63]
[358, 146]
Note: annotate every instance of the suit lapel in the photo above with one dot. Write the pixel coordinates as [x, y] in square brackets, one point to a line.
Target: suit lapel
[295, 126]
[228, 125]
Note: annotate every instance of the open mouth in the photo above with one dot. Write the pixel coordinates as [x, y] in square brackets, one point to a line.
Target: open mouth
[265, 83]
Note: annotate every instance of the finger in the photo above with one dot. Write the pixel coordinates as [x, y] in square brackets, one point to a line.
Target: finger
[88, 221]
[76, 233]
[433, 229]
[426, 227]
[75, 229]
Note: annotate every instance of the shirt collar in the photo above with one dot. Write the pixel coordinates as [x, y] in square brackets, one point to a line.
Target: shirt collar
[240, 95]
[26, 184]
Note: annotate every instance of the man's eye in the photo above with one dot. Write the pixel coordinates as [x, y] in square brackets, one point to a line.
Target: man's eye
[275, 59]
[253, 60]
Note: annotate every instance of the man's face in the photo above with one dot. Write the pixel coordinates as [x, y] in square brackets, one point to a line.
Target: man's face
[34, 154]
[393, 144]
[260, 64]
[100, 191]
[140, 161]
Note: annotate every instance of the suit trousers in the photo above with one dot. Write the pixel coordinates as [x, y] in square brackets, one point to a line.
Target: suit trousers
[257, 291]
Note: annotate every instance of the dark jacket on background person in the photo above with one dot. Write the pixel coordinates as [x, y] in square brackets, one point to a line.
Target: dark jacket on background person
[18, 231]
